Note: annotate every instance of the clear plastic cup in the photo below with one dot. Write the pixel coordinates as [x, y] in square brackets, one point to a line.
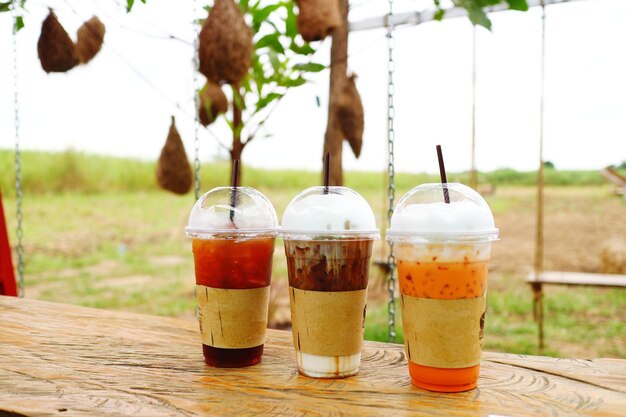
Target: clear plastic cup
[233, 232]
[442, 252]
[328, 243]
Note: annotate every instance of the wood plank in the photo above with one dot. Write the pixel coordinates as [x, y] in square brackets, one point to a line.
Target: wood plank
[579, 278]
[60, 359]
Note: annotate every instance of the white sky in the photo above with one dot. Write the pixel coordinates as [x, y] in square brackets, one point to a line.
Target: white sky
[105, 107]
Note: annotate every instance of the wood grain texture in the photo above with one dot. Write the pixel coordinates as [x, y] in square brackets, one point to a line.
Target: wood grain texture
[60, 360]
[578, 278]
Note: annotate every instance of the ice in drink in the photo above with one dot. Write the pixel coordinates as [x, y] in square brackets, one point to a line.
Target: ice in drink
[328, 234]
[233, 232]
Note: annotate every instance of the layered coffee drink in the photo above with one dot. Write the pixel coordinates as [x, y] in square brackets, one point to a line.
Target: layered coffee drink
[328, 243]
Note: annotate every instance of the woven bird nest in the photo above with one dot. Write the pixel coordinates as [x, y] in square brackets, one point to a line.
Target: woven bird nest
[213, 102]
[90, 37]
[173, 169]
[55, 48]
[225, 49]
[350, 114]
[317, 18]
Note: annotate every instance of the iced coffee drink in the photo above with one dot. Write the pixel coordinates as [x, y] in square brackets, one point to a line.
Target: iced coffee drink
[442, 252]
[233, 232]
[328, 243]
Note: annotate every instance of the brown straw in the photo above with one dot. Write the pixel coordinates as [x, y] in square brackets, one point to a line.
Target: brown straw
[326, 172]
[233, 188]
[442, 173]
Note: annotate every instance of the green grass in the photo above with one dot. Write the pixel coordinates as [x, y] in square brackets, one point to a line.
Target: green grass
[99, 233]
[71, 171]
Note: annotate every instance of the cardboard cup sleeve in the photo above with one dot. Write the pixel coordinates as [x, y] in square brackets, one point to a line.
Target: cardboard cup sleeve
[328, 323]
[232, 319]
[443, 333]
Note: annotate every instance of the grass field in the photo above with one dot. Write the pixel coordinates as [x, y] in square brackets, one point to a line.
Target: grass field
[99, 233]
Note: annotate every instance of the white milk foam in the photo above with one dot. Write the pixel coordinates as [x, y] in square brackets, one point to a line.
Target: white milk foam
[456, 217]
[317, 366]
[442, 252]
[328, 212]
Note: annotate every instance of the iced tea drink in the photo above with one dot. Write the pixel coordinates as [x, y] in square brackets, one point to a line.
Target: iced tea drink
[233, 232]
[234, 264]
[442, 253]
[328, 234]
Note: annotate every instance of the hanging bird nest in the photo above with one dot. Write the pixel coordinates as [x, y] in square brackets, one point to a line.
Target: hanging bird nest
[350, 114]
[317, 18]
[173, 169]
[90, 37]
[213, 102]
[225, 49]
[55, 48]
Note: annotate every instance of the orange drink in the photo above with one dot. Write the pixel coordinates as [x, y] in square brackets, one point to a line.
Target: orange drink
[442, 251]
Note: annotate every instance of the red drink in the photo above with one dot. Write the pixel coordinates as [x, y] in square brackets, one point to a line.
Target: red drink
[233, 264]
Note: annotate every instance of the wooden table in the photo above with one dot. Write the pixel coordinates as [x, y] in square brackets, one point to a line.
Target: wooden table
[60, 360]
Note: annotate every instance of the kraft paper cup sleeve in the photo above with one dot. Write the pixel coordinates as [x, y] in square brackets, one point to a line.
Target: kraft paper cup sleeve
[443, 333]
[328, 323]
[232, 319]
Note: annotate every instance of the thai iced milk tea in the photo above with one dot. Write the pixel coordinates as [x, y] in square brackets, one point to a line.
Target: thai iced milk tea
[444, 272]
[234, 264]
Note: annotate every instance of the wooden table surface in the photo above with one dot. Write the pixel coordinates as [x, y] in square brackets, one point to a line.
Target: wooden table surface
[60, 360]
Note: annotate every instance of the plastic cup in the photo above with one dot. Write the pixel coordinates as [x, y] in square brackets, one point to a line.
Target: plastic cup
[233, 232]
[442, 253]
[328, 243]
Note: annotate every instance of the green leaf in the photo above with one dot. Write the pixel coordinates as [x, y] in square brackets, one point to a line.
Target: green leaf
[273, 41]
[263, 102]
[477, 16]
[309, 67]
[5, 7]
[243, 4]
[237, 99]
[295, 82]
[130, 3]
[274, 60]
[260, 15]
[305, 49]
[439, 14]
[19, 23]
[291, 23]
[521, 5]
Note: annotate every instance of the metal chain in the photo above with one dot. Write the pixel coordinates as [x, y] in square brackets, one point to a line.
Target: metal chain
[391, 191]
[196, 101]
[18, 168]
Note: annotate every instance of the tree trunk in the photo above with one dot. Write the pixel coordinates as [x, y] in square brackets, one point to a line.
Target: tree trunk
[333, 139]
[237, 149]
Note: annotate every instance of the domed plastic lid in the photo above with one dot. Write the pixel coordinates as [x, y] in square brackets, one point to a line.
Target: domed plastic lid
[339, 213]
[423, 215]
[232, 211]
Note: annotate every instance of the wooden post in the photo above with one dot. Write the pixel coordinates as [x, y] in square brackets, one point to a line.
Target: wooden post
[333, 139]
[538, 298]
[7, 274]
